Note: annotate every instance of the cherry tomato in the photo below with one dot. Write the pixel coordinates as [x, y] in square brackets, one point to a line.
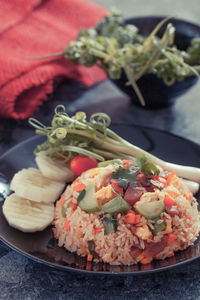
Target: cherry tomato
[81, 163]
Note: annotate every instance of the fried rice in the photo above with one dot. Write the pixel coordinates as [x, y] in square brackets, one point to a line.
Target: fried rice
[135, 239]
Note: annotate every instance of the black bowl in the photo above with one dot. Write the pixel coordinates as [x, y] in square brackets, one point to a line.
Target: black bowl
[154, 91]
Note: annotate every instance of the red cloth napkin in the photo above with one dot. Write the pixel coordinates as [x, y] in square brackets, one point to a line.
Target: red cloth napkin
[37, 28]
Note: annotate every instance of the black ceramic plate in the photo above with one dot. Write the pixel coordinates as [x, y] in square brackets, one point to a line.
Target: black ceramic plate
[40, 246]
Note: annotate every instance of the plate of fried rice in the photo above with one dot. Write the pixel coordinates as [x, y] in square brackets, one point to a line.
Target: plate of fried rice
[116, 218]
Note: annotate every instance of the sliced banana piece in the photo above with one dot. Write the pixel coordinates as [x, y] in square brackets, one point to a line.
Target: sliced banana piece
[53, 169]
[32, 185]
[26, 215]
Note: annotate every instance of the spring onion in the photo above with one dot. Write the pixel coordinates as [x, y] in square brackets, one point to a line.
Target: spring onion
[68, 136]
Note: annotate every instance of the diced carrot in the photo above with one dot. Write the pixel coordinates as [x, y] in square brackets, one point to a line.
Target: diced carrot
[171, 254]
[117, 188]
[89, 266]
[89, 257]
[74, 200]
[130, 211]
[79, 187]
[67, 224]
[126, 163]
[171, 239]
[169, 201]
[98, 229]
[61, 201]
[76, 180]
[130, 218]
[137, 219]
[188, 195]
[145, 260]
[141, 256]
[170, 177]
[168, 228]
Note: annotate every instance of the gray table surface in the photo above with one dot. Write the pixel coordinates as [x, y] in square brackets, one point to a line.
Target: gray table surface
[21, 278]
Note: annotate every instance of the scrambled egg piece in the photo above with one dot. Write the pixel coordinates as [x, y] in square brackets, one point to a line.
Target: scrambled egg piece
[104, 195]
[143, 232]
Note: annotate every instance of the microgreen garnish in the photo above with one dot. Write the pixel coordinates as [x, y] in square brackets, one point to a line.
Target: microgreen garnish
[117, 47]
[125, 177]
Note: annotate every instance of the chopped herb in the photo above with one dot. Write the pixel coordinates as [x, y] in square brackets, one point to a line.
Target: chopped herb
[124, 177]
[146, 167]
[81, 196]
[109, 224]
[91, 248]
[158, 227]
[117, 47]
[63, 210]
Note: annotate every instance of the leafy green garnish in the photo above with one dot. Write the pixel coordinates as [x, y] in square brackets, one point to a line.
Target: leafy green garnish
[146, 167]
[124, 177]
[81, 196]
[109, 224]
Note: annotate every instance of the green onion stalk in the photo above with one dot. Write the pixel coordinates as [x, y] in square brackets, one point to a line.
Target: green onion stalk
[68, 136]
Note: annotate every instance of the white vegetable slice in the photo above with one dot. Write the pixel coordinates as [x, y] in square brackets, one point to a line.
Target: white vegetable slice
[32, 185]
[26, 215]
[53, 169]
